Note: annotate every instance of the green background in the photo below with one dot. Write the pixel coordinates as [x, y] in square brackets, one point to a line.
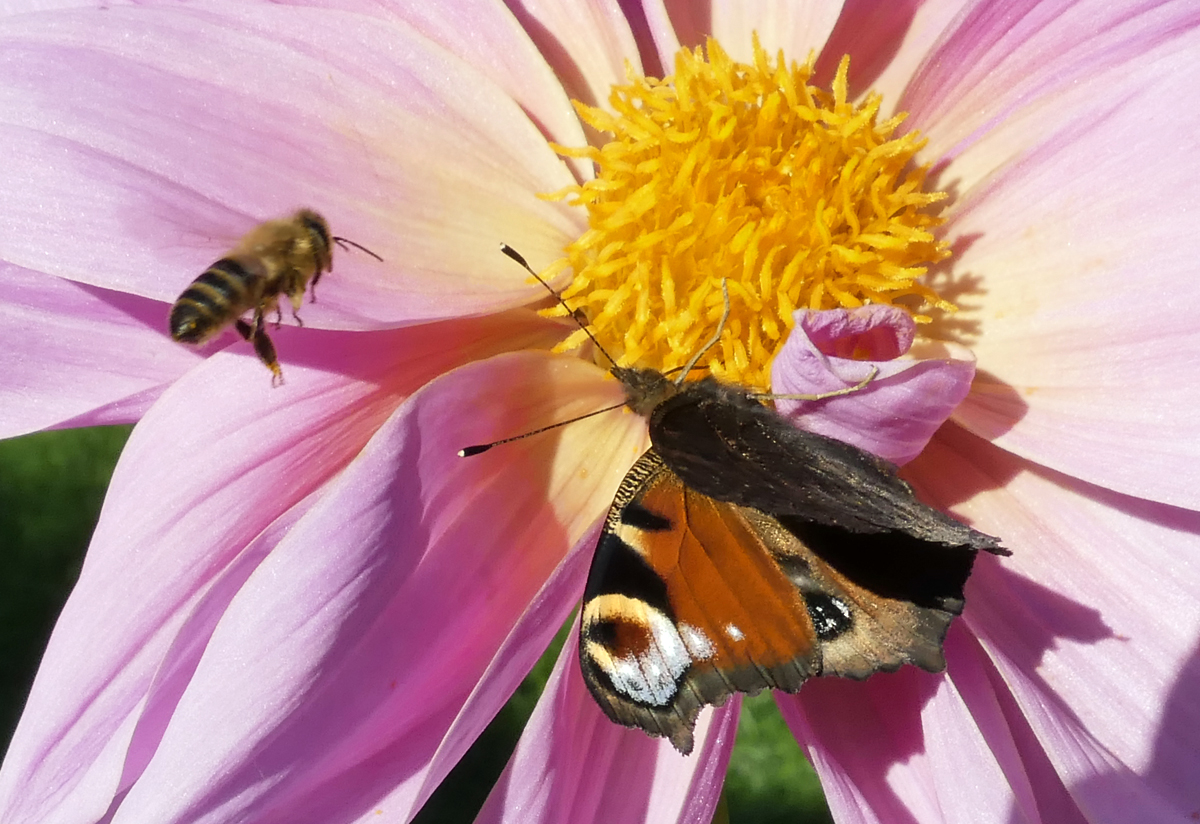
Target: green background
[51, 488]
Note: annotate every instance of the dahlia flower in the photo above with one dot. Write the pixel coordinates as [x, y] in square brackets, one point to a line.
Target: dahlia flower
[300, 605]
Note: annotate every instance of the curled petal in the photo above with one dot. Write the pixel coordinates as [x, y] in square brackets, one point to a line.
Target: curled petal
[899, 409]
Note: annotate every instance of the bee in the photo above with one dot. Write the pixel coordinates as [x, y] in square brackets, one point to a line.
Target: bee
[279, 257]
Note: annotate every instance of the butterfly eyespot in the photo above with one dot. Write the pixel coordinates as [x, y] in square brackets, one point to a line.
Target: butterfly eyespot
[831, 616]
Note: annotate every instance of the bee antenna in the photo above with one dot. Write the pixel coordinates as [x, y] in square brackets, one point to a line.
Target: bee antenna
[690, 365]
[468, 451]
[346, 242]
[515, 255]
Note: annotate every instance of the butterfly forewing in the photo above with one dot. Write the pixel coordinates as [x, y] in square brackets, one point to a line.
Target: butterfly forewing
[685, 606]
[725, 443]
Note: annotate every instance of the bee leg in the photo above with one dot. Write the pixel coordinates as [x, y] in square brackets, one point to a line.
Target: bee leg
[263, 347]
[312, 287]
[297, 298]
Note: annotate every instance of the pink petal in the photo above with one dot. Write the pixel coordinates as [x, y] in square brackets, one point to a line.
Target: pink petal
[664, 27]
[1092, 623]
[899, 746]
[905, 402]
[216, 461]
[79, 355]
[486, 35]
[979, 72]
[1038, 792]
[127, 138]
[573, 764]
[586, 42]
[1071, 204]
[323, 687]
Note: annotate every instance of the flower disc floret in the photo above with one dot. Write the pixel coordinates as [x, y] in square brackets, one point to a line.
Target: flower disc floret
[793, 195]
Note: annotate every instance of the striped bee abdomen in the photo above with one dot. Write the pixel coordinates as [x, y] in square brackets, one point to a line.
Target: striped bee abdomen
[229, 288]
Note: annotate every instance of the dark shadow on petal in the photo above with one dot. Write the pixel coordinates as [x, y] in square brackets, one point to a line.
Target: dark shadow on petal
[871, 33]
[647, 50]
[560, 60]
[692, 20]
[1175, 766]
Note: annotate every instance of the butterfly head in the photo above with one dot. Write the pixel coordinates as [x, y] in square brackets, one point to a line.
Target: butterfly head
[645, 389]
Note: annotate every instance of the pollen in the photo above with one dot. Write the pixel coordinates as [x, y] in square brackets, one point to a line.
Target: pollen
[790, 195]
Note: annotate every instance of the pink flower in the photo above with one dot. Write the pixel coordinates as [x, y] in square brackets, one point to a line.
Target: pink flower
[300, 605]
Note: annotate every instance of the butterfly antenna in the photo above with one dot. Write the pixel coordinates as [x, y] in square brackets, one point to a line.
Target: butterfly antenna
[515, 255]
[344, 242]
[467, 452]
[690, 365]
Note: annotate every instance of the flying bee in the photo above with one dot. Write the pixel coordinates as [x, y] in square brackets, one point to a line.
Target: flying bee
[279, 257]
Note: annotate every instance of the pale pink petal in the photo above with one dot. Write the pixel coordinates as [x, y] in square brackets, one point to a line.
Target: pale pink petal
[586, 42]
[662, 26]
[1078, 297]
[216, 461]
[486, 35]
[525, 644]
[574, 764]
[1092, 623]
[796, 28]
[905, 402]
[979, 72]
[338, 669]
[1038, 792]
[68, 351]
[404, 147]
[900, 746]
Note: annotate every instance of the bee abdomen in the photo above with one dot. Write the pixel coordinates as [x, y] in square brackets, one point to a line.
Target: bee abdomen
[227, 289]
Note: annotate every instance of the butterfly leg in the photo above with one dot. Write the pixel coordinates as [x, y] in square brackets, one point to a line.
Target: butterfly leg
[835, 393]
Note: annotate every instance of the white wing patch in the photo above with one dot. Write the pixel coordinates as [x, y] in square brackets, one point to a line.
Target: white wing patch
[649, 674]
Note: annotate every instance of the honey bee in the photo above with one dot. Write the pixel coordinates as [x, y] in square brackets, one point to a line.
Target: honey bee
[279, 257]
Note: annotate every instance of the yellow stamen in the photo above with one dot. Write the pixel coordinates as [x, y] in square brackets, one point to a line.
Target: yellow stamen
[745, 172]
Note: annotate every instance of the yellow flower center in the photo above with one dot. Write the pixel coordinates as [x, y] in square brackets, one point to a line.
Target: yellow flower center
[793, 195]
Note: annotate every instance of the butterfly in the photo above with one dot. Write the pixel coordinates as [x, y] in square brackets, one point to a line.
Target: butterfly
[742, 553]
